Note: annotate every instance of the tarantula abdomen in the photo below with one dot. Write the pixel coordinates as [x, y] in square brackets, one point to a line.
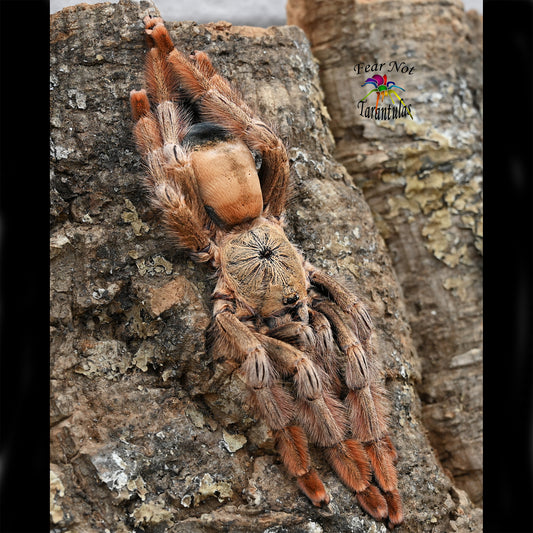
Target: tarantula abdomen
[226, 174]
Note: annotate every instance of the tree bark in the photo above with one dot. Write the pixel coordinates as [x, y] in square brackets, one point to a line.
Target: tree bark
[147, 430]
[423, 181]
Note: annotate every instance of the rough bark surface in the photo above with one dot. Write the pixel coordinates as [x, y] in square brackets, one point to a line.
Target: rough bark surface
[422, 180]
[147, 432]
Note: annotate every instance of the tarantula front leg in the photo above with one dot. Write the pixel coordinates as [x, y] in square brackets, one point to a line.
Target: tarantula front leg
[365, 402]
[218, 102]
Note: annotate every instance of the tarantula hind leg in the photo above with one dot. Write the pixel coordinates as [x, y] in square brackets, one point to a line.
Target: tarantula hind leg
[267, 398]
[325, 421]
[365, 402]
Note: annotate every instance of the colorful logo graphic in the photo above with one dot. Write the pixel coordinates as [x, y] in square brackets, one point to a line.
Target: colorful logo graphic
[384, 88]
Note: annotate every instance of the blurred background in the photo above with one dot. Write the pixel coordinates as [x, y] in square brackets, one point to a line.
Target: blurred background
[262, 13]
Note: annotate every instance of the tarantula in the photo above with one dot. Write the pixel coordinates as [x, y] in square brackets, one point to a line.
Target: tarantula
[303, 342]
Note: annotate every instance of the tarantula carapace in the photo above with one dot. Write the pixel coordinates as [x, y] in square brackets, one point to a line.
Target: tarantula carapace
[302, 341]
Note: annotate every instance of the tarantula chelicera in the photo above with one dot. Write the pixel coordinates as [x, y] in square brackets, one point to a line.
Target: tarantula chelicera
[303, 342]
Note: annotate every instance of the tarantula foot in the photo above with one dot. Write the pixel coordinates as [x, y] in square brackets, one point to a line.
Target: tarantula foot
[159, 36]
[313, 488]
[373, 502]
[394, 503]
[150, 22]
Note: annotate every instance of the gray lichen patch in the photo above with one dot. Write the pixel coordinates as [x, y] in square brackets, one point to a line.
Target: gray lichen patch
[139, 323]
[154, 265]
[131, 216]
[113, 469]
[208, 487]
[109, 359]
[233, 442]
[152, 513]
[77, 99]
[57, 491]
[143, 356]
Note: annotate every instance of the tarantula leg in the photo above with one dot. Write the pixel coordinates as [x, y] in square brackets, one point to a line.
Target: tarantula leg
[296, 334]
[348, 302]
[158, 34]
[150, 22]
[162, 84]
[146, 130]
[359, 371]
[312, 486]
[349, 460]
[173, 121]
[170, 180]
[267, 397]
[291, 442]
[347, 457]
[140, 105]
[292, 446]
[320, 412]
[326, 354]
[316, 340]
[373, 502]
[181, 215]
[220, 103]
[395, 508]
[181, 222]
[171, 187]
[365, 402]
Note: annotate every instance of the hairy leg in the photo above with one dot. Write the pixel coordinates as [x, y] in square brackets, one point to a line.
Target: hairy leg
[326, 425]
[267, 397]
[170, 180]
[366, 404]
[220, 103]
[348, 302]
[316, 339]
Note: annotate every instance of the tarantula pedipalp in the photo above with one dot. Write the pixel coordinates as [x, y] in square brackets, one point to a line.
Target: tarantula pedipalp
[282, 320]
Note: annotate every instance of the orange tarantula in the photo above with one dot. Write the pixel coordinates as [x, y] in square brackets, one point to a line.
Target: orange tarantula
[302, 341]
